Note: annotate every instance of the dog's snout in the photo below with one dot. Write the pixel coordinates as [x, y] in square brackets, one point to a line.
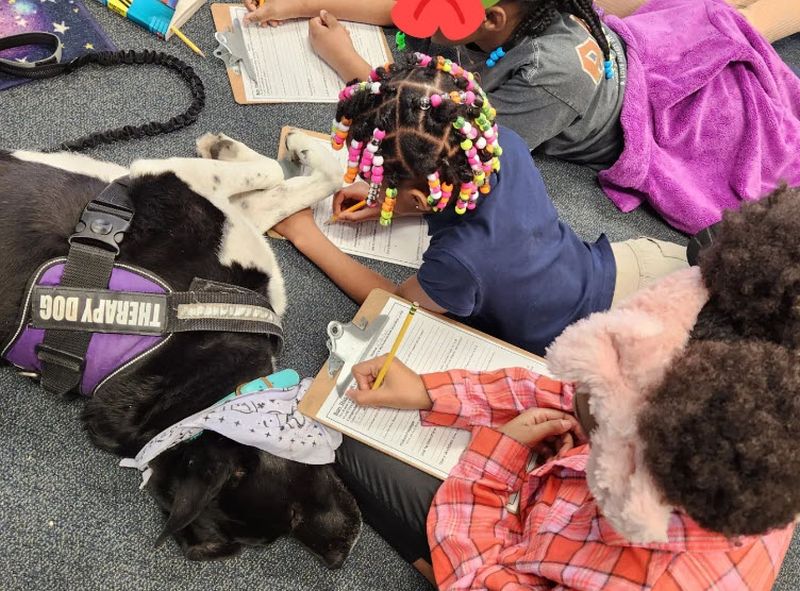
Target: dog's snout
[334, 560]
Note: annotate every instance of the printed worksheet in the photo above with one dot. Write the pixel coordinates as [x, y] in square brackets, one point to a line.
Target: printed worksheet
[431, 344]
[402, 243]
[286, 67]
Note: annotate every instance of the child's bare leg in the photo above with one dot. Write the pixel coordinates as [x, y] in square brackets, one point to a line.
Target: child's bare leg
[774, 19]
[425, 569]
[642, 261]
[620, 8]
[623, 8]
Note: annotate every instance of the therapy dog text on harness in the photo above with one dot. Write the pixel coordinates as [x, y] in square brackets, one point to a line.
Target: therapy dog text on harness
[86, 319]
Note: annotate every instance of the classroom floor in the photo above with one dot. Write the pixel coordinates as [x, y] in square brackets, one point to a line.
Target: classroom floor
[69, 517]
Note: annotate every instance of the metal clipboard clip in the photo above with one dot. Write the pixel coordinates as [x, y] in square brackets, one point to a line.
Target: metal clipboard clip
[346, 345]
[232, 50]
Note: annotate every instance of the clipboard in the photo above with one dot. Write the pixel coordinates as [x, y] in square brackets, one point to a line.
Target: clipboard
[221, 14]
[324, 383]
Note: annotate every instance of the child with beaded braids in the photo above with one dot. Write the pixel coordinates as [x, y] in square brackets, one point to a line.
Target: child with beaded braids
[421, 133]
[683, 103]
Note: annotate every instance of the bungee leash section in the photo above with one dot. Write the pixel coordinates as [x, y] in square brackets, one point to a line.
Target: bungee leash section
[52, 66]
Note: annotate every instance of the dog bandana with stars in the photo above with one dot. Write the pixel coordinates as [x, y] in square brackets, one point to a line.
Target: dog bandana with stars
[267, 418]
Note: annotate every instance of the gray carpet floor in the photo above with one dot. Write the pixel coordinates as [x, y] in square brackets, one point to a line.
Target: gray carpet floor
[69, 517]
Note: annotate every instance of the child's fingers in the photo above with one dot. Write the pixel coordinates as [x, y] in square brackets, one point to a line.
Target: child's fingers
[342, 200]
[366, 371]
[370, 397]
[365, 213]
[567, 443]
[256, 16]
[328, 19]
[250, 5]
[315, 25]
[548, 428]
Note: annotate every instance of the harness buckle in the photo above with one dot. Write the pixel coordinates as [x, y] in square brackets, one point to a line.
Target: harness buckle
[65, 359]
[102, 224]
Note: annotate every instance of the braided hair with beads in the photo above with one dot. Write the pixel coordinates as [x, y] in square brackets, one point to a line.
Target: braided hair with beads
[423, 116]
[538, 15]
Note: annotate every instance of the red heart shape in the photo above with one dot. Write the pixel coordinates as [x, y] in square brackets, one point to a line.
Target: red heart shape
[420, 18]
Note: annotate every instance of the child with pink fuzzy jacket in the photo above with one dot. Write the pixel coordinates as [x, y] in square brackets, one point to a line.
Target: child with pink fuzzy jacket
[666, 459]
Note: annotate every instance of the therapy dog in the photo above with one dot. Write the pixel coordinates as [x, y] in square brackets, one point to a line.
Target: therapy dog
[163, 230]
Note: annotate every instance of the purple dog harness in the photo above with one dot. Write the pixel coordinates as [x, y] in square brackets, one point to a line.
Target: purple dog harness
[86, 318]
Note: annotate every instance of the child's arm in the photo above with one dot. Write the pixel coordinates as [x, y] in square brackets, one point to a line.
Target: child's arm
[356, 280]
[467, 399]
[461, 398]
[470, 528]
[332, 43]
[375, 12]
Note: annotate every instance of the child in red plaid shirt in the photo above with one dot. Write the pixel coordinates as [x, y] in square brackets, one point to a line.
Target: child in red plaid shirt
[691, 477]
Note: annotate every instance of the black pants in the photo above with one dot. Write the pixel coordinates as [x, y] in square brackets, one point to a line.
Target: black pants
[394, 497]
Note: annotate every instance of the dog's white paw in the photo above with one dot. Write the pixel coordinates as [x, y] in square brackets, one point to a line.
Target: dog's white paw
[307, 152]
[217, 146]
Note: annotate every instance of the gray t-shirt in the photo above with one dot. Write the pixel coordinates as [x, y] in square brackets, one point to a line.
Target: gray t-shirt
[552, 91]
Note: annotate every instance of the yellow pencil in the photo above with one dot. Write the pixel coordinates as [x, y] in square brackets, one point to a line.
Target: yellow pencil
[395, 347]
[350, 209]
[179, 34]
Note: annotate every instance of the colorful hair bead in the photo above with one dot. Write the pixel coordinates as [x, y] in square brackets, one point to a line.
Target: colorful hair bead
[609, 69]
[353, 156]
[463, 197]
[339, 131]
[434, 188]
[495, 57]
[372, 195]
[475, 124]
[447, 191]
[400, 40]
[422, 59]
[387, 209]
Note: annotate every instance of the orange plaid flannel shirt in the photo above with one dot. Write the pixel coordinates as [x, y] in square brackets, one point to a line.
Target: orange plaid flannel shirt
[557, 538]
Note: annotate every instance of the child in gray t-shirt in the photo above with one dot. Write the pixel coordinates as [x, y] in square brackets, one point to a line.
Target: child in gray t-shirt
[682, 104]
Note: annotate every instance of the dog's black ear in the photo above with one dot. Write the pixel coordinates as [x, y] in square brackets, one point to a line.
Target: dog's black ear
[193, 494]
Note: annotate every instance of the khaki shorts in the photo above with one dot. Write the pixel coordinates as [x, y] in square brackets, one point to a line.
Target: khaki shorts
[643, 260]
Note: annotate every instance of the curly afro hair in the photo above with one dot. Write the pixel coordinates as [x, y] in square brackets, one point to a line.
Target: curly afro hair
[752, 270]
[722, 436]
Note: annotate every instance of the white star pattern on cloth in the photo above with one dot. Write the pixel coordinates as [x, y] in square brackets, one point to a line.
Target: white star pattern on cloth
[255, 419]
[88, 46]
[22, 60]
[60, 27]
[22, 22]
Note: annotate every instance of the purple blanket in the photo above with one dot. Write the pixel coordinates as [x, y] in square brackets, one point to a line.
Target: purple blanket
[711, 115]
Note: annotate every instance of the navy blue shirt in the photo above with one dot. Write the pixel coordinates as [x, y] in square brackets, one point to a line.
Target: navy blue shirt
[510, 267]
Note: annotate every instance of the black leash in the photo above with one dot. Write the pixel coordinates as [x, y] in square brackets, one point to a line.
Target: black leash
[52, 66]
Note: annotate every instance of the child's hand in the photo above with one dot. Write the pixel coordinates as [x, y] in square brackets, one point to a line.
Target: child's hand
[270, 12]
[350, 196]
[296, 225]
[401, 388]
[542, 429]
[332, 42]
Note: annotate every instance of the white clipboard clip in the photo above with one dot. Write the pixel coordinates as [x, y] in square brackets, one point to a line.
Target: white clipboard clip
[347, 343]
[232, 50]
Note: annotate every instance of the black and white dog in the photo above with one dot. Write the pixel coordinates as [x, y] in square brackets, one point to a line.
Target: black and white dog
[195, 218]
